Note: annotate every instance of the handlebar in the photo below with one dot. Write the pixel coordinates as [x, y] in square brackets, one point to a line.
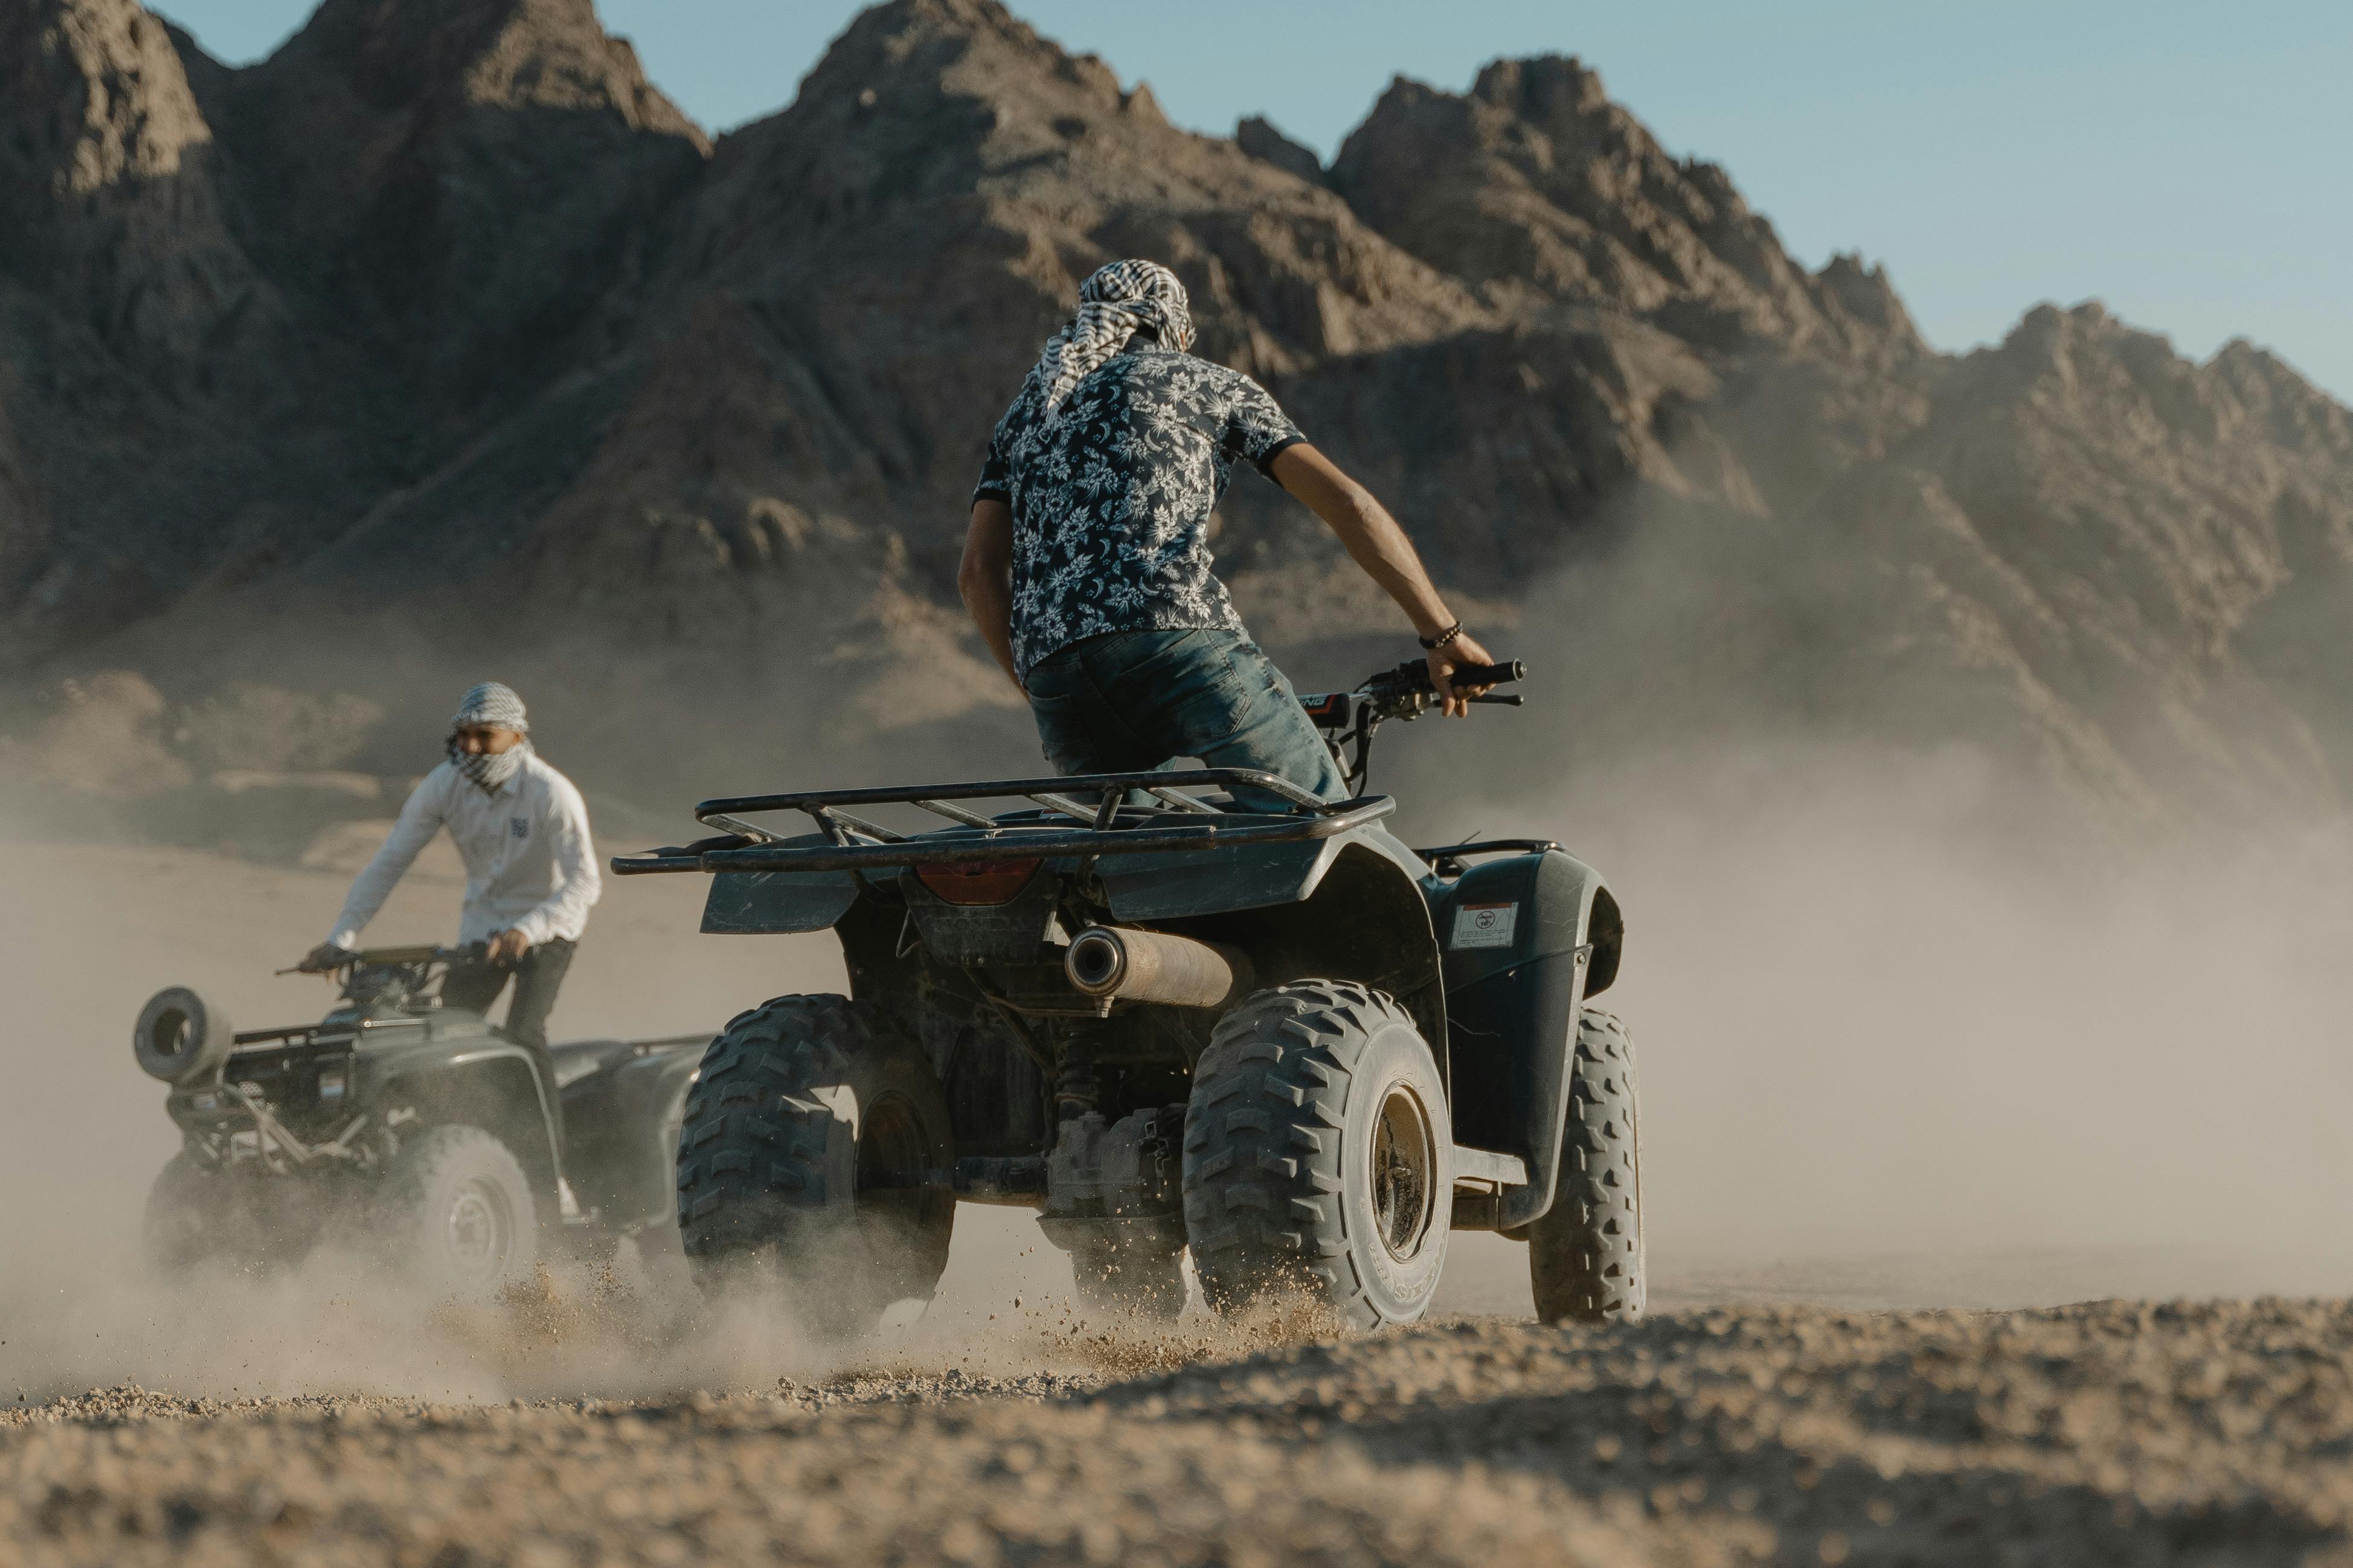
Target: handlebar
[387, 957]
[1406, 691]
[1349, 717]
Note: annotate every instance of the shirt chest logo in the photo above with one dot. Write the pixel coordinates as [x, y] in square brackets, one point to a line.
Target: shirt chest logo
[519, 826]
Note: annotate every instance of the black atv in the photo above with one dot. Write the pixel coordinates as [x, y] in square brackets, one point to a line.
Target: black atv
[1281, 1039]
[409, 1130]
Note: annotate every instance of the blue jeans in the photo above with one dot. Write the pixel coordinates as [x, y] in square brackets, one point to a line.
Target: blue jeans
[1129, 701]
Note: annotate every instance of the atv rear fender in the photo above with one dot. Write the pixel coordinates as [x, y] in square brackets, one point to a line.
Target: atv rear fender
[1326, 892]
[777, 903]
[615, 1163]
[1526, 940]
[494, 1086]
[1344, 909]
[1355, 912]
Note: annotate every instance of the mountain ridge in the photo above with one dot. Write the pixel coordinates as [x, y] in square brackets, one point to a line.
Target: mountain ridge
[445, 299]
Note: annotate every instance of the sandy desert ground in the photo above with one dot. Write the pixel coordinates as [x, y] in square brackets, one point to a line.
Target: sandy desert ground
[1866, 1404]
[2113, 1433]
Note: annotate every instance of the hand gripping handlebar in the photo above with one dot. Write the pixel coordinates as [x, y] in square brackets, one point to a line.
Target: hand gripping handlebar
[1474, 674]
[1349, 717]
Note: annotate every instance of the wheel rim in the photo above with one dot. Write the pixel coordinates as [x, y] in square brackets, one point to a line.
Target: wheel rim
[1404, 1171]
[478, 1234]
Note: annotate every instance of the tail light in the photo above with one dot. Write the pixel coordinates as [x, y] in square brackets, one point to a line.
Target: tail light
[978, 882]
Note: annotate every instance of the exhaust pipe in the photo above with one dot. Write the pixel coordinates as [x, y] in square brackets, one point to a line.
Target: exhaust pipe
[1120, 964]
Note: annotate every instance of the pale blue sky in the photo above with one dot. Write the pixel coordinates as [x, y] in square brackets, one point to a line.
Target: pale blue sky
[2186, 163]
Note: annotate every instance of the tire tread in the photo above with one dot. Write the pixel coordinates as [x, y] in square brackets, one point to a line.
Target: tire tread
[1586, 1258]
[748, 1139]
[1262, 1152]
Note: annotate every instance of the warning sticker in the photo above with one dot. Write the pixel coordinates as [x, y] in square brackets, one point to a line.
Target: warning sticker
[1485, 925]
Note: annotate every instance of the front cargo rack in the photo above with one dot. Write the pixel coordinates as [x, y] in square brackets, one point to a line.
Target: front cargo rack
[1129, 814]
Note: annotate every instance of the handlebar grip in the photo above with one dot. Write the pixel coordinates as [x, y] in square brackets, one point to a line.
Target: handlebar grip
[1489, 674]
[1413, 675]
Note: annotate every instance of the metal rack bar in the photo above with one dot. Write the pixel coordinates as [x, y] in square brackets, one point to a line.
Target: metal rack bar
[750, 830]
[1067, 807]
[873, 830]
[956, 813]
[1155, 781]
[1182, 801]
[1010, 842]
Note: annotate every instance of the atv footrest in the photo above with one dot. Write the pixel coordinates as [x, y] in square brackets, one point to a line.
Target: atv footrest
[1486, 1165]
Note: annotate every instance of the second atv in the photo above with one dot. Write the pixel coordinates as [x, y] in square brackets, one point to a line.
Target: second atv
[1283, 1040]
[401, 1128]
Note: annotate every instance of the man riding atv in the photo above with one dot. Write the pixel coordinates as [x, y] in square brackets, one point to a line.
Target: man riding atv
[1249, 1027]
[522, 829]
[1087, 565]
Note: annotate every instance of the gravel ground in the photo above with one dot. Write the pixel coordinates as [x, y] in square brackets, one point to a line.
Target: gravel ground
[2109, 1433]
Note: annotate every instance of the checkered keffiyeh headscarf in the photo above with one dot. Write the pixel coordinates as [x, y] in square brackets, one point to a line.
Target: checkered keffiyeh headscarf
[1113, 304]
[490, 703]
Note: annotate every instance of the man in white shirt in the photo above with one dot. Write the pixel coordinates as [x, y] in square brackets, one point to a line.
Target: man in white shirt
[522, 829]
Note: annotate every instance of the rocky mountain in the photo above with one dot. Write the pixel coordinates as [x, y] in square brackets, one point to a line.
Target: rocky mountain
[1534, 185]
[443, 323]
[242, 307]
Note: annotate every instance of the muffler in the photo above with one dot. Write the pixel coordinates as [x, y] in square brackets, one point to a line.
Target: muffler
[1120, 964]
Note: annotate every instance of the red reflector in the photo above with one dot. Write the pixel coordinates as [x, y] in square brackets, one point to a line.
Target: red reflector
[979, 882]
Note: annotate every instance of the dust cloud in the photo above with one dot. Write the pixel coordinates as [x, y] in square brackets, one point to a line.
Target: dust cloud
[91, 929]
[1869, 1043]
[204, 834]
[1913, 1033]
[1918, 1024]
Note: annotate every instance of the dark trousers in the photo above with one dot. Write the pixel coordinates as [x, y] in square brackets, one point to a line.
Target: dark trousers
[1130, 702]
[537, 978]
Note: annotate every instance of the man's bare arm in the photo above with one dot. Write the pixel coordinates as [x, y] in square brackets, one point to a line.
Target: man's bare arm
[1376, 543]
[986, 579]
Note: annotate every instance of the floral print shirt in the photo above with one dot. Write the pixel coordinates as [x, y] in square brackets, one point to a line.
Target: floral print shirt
[1111, 496]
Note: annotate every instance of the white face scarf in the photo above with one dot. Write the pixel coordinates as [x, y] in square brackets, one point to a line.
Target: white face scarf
[1113, 303]
[490, 770]
[490, 702]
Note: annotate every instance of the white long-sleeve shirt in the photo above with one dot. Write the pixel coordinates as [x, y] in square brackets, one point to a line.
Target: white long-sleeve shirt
[530, 864]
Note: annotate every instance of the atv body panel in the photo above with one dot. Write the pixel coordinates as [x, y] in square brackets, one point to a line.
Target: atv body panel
[1523, 946]
[614, 1093]
[1492, 961]
[1139, 888]
[775, 903]
[333, 1103]
[1276, 1040]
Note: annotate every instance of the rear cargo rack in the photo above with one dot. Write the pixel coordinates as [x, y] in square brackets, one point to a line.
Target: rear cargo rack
[1111, 823]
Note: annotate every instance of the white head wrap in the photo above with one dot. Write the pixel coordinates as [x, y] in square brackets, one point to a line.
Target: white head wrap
[1113, 303]
[491, 703]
